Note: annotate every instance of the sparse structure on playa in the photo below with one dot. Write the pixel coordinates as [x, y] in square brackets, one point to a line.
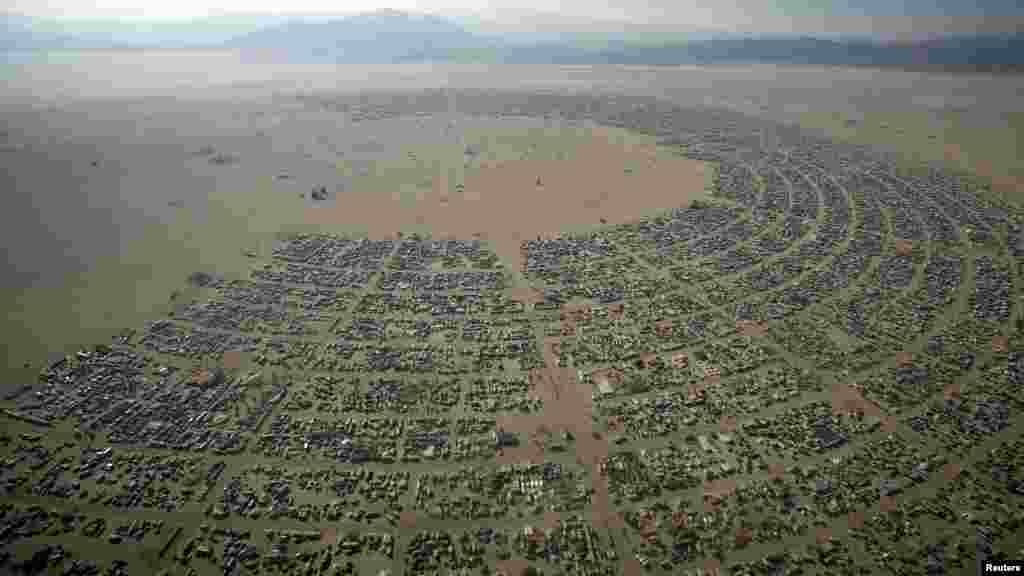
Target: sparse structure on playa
[206, 377]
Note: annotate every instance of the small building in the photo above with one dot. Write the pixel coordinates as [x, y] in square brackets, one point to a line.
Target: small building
[58, 362]
[663, 328]
[206, 378]
[503, 439]
[647, 360]
[607, 379]
[680, 361]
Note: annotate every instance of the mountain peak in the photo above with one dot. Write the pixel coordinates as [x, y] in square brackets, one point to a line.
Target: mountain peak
[385, 35]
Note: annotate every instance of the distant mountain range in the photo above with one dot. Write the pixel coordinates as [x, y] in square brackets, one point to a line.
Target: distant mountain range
[31, 33]
[992, 53]
[391, 36]
[375, 37]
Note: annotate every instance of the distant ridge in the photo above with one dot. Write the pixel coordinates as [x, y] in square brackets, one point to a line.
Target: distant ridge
[375, 37]
[20, 33]
[393, 36]
[975, 52]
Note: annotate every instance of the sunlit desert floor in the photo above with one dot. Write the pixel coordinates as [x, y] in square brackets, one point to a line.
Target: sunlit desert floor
[707, 358]
[139, 196]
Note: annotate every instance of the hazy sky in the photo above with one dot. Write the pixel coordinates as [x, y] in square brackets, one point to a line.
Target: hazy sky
[888, 18]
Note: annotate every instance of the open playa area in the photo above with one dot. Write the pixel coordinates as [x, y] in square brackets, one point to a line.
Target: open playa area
[440, 319]
[509, 180]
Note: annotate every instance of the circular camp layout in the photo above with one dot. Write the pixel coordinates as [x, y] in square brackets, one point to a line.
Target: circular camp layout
[662, 341]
